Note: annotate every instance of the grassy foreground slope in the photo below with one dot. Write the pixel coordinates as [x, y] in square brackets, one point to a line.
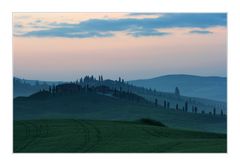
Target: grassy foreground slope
[109, 136]
[100, 107]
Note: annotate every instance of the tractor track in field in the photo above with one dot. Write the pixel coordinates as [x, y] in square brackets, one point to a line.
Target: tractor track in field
[68, 139]
[98, 135]
[91, 134]
[88, 144]
[31, 136]
[86, 134]
[98, 138]
[28, 137]
[155, 133]
[35, 131]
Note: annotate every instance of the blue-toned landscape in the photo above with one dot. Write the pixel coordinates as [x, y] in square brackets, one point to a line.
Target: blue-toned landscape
[119, 83]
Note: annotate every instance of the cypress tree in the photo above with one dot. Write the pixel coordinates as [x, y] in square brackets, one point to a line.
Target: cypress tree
[177, 92]
[165, 104]
[186, 106]
[50, 89]
[53, 89]
[195, 110]
[115, 91]
[168, 105]
[156, 102]
[214, 111]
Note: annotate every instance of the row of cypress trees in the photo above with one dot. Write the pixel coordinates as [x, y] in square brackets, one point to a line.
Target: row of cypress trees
[185, 108]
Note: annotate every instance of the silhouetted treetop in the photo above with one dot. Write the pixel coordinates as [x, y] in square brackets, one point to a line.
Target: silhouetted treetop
[177, 92]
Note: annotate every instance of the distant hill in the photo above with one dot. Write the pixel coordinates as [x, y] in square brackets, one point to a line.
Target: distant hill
[34, 82]
[23, 87]
[214, 88]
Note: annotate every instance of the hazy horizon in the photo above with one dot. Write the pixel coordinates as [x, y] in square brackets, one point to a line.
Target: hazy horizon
[66, 46]
[96, 76]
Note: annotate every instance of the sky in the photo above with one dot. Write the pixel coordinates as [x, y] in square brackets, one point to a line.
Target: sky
[67, 46]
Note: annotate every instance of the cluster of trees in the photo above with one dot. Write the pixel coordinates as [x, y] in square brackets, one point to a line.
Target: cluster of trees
[85, 85]
[70, 88]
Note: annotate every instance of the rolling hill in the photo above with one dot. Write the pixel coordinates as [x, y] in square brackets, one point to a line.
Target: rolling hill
[96, 106]
[24, 87]
[213, 88]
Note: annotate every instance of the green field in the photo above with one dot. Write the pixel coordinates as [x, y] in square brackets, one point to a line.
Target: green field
[73, 135]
